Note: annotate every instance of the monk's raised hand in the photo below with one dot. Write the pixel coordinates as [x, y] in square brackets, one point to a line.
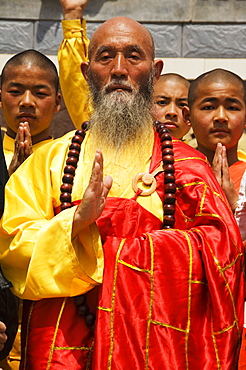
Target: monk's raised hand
[94, 199]
[73, 9]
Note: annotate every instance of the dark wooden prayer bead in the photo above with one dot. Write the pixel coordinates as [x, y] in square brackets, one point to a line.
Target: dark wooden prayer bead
[166, 144]
[83, 309]
[169, 198]
[169, 209]
[73, 153]
[169, 177]
[65, 197]
[168, 159]
[167, 151]
[70, 169]
[67, 177]
[90, 319]
[75, 146]
[166, 137]
[169, 168]
[160, 127]
[66, 188]
[81, 133]
[80, 299]
[170, 188]
[65, 205]
[84, 125]
[169, 220]
[77, 139]
[72, 161]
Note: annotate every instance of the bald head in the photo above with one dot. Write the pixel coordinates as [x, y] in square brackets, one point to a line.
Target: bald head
[217, 75]
[174, 77]
[31, 58]
[120, 26]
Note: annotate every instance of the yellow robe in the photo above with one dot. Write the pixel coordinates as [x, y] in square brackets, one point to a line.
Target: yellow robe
[30, 262]
[9, 147]
[13, 360]
[74, 50]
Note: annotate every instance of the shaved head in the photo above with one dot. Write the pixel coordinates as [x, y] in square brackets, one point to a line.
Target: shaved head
[121, 25]
[175, 78]
[31, 58]
[218, 75]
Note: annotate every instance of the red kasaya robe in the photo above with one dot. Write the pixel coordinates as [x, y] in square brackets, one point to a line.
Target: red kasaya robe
[170, 299]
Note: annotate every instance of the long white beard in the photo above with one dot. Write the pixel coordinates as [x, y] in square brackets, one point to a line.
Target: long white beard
[120, 118]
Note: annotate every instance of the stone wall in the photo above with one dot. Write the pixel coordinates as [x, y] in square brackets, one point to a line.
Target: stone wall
[181, 29]
[200, 34]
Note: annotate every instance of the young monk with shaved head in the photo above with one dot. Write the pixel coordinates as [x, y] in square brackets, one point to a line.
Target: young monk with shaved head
[170, 96]
[29, 99]
[217, 114]
[114, 275]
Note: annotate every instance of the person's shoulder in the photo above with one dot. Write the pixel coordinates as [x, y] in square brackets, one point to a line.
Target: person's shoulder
[191, 166]
[183, 151]
[56, 144]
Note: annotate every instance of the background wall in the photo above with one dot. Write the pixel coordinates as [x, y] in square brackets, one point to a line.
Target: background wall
[192, 36]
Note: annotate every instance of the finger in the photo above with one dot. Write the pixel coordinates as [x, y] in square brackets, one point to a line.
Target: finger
[27, 149]
[97, 170]
[27, 132]
[225, 167]
[3, 338]
[19, 139]
[217, 154]
[108, 182]
[2, 327]
[20, 132]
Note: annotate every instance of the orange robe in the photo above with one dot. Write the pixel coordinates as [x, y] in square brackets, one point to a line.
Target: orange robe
[236, 171]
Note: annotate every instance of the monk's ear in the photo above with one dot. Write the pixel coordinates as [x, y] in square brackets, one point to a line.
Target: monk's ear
[58, 103]
[186, 115]
[158, 66]
[84, 69]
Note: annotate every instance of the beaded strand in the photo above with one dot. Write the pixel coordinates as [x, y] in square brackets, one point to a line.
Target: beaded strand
[66, 202]
[71, 165]
[169, 175]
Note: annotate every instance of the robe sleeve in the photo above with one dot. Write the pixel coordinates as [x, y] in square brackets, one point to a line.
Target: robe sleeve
[38, 254]
[74, 50]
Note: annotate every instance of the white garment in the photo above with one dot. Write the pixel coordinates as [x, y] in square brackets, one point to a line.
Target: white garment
[240, 212]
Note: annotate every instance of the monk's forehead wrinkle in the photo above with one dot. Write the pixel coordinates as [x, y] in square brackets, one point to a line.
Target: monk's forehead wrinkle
[111, 48]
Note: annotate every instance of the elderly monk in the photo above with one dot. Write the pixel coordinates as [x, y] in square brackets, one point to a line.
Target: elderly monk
[130, 259]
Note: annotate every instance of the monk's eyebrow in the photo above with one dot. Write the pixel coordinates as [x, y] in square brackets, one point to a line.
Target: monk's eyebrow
[234, 100]
[168, 97]
[108, 48]
[212, 99]
[16, 84]
[209, 99]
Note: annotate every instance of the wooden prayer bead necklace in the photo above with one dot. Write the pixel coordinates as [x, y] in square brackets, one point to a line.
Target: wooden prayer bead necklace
[169, 191]
[66, 202]
[71, 165]
[169, 175]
